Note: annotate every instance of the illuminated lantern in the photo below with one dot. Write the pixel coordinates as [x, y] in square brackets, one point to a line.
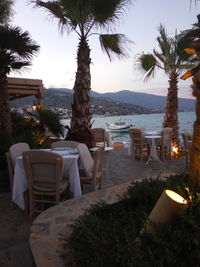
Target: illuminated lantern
[168, 206]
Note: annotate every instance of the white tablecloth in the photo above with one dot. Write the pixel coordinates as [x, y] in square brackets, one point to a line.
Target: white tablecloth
[70, 168]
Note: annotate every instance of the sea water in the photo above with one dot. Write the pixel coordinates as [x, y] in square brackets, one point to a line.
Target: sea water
[149, 122]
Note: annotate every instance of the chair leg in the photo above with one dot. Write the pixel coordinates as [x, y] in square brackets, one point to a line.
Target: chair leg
[163, 153]
[26, 200]
[141, 155]
[31, 205]
[133, 153]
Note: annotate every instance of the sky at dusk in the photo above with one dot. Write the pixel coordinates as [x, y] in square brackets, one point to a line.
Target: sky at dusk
[55, 64]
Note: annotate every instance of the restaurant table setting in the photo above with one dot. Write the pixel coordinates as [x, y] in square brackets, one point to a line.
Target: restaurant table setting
[70, 169]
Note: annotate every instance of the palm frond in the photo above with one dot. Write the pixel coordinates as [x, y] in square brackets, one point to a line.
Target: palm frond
[50, 119]
[78, 11]
[56, 10]
[159, 56]
[108, 12]
[114, 44]
[17, 48]
[194, 33]
[6, 11]
[182, 41]
[147, 64]
[164, 42]
[187, 66]
[14, 40]
[19, 65]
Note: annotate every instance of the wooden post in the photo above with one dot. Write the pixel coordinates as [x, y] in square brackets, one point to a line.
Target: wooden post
[22, 87]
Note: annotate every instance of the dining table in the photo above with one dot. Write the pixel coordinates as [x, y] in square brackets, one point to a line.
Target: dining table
[70, 168]
[152, 136]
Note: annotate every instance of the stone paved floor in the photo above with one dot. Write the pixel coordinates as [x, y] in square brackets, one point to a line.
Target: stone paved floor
[15, 226]
[14, 234]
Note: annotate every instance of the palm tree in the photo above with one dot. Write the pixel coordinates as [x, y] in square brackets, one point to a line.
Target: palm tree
[46, 119]
[86, 18]
[16, 51]
[5, 10]
[172, 59]
[194, 45]
[32, 126]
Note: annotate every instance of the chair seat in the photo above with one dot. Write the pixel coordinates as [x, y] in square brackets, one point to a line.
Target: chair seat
[50, 187]
[87, 180]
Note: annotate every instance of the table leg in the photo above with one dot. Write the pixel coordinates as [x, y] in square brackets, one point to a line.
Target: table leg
[108, 182]
[153, 153]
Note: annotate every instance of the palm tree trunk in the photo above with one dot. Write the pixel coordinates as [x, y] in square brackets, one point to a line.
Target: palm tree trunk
[171, 110]
[195, 149]
[81, 108]
[5, 113]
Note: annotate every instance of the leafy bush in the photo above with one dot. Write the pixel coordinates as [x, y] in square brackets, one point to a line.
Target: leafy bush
[106, 234]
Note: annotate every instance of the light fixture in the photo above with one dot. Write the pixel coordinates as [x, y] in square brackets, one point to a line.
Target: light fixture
[167, 206]
[176, 197]
[34, 107]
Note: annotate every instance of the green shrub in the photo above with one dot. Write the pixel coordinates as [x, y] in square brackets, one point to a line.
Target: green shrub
[105, 235]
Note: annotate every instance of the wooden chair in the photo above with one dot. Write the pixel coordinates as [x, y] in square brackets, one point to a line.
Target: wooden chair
[186, 137]
[165, 145]
[99, 135]
[45, 182]
[187, 140]
[139, 148]
[86, 159]
[16, 150]
[92, 166]
[72, 144]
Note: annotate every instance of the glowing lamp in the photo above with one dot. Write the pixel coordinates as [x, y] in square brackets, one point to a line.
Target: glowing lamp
[176, 197]
[167, 206]
[34, 107]
[175, 149]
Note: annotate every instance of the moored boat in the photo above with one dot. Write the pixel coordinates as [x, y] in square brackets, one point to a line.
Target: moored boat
[118, 126]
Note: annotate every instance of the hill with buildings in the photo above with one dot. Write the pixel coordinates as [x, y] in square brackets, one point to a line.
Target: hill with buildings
[62, 99]
[118, 103]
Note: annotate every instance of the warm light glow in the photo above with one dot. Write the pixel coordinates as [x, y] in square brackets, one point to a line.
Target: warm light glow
[175, 149]
[34, 107]
[173, 195]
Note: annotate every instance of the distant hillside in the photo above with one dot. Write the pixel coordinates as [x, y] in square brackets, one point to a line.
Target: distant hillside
[62, 98]
[127, 101]
[154, 102]
[147, 100]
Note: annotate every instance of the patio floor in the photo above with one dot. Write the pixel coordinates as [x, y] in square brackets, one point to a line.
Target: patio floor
[15, 226]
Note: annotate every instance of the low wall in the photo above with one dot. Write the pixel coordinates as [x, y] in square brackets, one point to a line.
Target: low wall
[55, 222]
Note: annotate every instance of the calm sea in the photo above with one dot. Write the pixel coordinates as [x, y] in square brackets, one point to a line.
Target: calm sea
[147, 121]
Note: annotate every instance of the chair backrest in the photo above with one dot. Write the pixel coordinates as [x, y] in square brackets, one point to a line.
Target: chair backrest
[10, 169]
[16, 150]
[86, 159]
[43, 169]
[98, 157]
[166, 134]
[99, 136]
[109, 139]
[137, 137]
[72, 144]
[186, 137]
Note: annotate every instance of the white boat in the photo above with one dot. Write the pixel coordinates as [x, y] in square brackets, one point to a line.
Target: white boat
[119, 126]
